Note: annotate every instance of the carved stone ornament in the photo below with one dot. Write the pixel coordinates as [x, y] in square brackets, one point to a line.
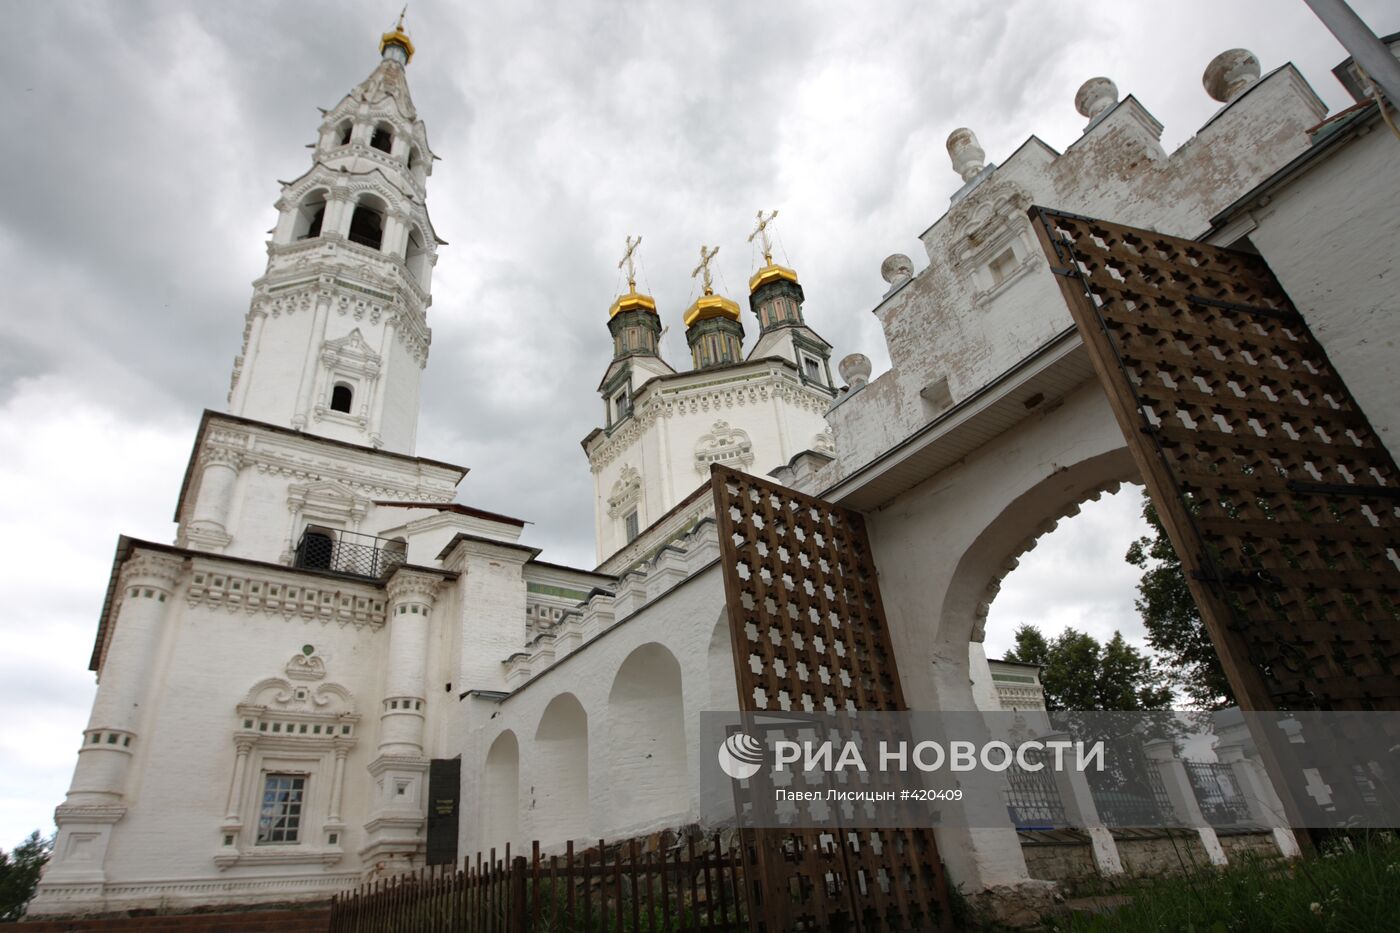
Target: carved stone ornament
[149, 568]
[723, 444]
[897, 269]
[304, 666]
[413, 586]
[625, 491]
[222, 455]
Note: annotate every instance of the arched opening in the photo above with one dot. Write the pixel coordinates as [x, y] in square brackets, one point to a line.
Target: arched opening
[383, 138]
[646, 740]
[1074, 576]
[342, 397]
[415, 159]
[316, 549]
[392, 555]
[416, 257]
[995, 551]
[310, 215]
[343, 132]
[500, 794]
[367, 223]
[559, 796]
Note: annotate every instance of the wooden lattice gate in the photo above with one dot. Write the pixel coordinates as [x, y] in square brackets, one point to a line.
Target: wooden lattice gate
[808, 631]
[1280, 499]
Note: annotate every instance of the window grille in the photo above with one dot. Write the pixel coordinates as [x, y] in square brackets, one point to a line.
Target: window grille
[279, 820]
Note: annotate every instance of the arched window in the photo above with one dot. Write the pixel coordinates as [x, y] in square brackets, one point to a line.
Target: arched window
[416, 256]
[310, 216]
[341, 397]
[413, 157]
[383, 138]
[367, 224]
[343, 132]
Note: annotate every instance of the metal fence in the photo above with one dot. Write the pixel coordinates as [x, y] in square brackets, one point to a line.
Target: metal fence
[1129, 791]
[349, 553]
[1219, 795]
[1033, 800]
[608, 889]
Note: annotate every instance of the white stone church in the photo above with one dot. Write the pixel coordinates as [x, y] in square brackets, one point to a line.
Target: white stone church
[333, 642]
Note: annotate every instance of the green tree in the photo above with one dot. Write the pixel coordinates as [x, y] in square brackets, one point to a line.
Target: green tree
[19, 873]
[1079, 673]
[1174, 627]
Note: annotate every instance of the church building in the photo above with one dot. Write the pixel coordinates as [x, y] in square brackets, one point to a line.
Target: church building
[339, 671]
[283, 688]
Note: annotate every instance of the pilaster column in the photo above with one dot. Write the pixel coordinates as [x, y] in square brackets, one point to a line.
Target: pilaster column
[1080, 810]
[1265, 808]
[394, 833]
[396, 234]
[208, 529]
[233, 812]
[411, 596]
[310, 369]
[256, 317]
[338, 783]
[339, 210]
[1162, 754]
[286, 220]
[96, 798]
[379, 386]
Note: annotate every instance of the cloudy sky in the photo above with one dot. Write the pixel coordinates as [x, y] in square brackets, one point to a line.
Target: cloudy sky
[143, 143]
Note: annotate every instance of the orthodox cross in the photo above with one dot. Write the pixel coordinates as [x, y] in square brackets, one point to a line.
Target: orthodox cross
[707, 253]
[630, 262]
[761, 231]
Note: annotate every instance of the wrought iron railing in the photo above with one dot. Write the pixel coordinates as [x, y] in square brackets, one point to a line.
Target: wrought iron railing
[1033, 800]
[1219, 795]
[350, 553]
[1129, 791]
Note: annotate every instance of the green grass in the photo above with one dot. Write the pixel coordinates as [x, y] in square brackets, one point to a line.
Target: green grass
[1353, 886]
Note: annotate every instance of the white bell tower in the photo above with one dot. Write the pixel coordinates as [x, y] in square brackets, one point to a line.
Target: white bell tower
[336, 335]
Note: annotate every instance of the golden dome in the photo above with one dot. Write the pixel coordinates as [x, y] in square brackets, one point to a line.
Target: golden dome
[632, 301]
[397, 37]
[770, 273]
[710, 306]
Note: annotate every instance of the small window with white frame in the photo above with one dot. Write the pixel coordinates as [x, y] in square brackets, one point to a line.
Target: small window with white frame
[279, 818]
[622, 405]
[812, 368]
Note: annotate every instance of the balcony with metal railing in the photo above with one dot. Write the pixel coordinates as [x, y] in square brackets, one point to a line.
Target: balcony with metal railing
[349, 553]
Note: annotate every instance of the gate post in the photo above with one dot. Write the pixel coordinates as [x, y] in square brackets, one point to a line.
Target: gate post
[1162, 754]
[1264, 806]
[1080, 810]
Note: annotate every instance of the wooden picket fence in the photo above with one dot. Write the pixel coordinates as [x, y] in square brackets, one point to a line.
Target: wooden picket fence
[609, 889]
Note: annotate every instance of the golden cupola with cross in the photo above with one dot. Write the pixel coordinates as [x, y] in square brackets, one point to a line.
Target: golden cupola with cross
[712, 326]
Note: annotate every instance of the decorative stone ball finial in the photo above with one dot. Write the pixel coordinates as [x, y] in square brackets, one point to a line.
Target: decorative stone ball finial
[897, 269]
[855, 370]
[1095, 96]
[1229, 73]
[968, 157]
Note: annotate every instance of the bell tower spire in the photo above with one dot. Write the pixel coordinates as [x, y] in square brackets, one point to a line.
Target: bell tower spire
[336, 336]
